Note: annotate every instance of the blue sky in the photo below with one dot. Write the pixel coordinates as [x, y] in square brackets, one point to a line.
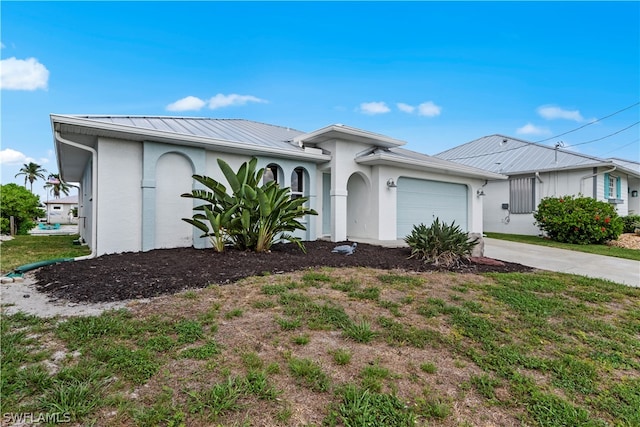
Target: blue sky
[435, 74]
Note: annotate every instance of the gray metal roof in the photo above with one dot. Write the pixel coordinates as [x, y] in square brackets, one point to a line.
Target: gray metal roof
[504, 154]
[237, 130]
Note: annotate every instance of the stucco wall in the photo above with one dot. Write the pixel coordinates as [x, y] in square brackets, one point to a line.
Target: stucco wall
[586, 182]
[119, 196]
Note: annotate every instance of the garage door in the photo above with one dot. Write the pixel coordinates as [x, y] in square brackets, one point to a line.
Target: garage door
[422, 201]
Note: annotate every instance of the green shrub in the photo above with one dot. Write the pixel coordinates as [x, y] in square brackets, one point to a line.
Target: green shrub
[440, 243]
[253, 217]
[22, 205]
[578, 220]
[630, 223]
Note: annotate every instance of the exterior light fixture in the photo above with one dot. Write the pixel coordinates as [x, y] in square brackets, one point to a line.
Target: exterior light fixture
[391, 183]
[480, 193]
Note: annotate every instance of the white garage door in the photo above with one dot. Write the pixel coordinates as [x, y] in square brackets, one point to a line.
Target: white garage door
[422, 201]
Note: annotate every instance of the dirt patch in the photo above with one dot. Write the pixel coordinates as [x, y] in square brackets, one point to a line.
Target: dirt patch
[167, 271]
[627, 240]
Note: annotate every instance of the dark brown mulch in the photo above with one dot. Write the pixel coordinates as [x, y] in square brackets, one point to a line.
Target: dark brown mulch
[167, 271]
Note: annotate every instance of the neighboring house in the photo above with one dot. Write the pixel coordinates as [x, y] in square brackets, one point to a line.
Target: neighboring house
[132, 171]
[536, 171]
[61, 210]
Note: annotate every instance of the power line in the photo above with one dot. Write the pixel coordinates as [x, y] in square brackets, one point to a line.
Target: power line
[604, 137]
[556, 136]
[588, 124]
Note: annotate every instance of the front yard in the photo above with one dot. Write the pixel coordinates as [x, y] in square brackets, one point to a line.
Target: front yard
[340, 346]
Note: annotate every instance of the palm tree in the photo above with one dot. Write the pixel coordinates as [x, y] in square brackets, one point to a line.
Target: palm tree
[31, 172]
[57, 185]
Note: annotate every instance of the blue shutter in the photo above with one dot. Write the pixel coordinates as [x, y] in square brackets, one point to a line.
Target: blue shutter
[606, 185]
[618, 188]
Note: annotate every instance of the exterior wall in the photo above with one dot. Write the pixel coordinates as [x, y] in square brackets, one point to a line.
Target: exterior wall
[374, 216]
[634, 201]
[119, 199]
[85, 205]
[173, 178]
[585, 182]
[60, 215]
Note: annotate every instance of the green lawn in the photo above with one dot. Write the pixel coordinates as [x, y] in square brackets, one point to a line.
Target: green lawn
[339, 347]
[613, 251]
[27, 249]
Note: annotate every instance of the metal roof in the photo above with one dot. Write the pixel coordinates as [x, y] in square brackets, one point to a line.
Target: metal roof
[237, 130]
[504, 154]
[415, 160]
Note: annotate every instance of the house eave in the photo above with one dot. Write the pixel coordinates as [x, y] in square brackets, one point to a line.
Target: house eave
[577, 167]
[341, 132]
[450, 168]
[82, 126]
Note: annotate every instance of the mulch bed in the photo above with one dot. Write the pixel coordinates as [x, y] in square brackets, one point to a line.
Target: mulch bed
[127, 276]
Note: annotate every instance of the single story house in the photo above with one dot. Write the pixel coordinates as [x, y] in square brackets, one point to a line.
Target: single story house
[537, 171]
[61, 210]
[364, 186]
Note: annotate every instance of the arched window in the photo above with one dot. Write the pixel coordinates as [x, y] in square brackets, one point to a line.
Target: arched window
[271, 173]
[297, 183]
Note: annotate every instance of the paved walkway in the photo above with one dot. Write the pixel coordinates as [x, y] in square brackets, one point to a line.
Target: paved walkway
[597, 266]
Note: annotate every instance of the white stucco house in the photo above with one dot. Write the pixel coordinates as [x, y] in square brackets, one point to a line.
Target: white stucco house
[364, 186]
[537, 171]
[61, 210]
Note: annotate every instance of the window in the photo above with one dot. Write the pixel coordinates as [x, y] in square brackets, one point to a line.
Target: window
[521, 195]
[57, 208]
[612, 186]
[270, 173]
[297, 183]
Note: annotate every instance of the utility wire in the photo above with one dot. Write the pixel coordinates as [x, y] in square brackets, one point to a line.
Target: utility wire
[604, 137]
[557, 136]
[588, 124]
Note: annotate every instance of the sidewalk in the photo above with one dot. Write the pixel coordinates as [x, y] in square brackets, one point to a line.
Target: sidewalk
[597, 266]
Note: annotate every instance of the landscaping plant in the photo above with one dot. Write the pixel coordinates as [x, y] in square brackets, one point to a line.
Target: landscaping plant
[440, 243]
[253, 216]
[578, 220]
[630, 223]
[21, 204]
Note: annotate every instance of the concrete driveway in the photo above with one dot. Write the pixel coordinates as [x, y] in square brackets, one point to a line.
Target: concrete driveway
[616, 270]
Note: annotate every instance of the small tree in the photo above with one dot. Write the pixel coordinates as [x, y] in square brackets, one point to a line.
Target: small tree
[22, 205]
[579, 220]
[253, 217]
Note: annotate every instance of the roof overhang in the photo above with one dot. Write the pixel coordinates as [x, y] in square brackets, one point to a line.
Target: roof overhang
[433, 164]
[578, 167]
[347, 133]
[68, 126]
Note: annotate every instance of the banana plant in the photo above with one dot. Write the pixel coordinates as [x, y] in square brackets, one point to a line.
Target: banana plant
[253, 216]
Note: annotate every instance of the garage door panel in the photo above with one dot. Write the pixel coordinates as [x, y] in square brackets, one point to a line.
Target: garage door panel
[422, 201]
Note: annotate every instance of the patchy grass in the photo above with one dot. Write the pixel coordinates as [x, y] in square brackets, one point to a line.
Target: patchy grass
[341, 347]
[22, 250]
[613, 251]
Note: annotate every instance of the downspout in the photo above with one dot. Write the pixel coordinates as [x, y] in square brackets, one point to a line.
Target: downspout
[94, 193]
[592, 175]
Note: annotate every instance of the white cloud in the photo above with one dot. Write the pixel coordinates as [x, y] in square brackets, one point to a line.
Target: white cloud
[23, 74]
[429, 109]
[406, 108]
[373, 108]
[551, 112]
[9, 156]
[186, 104]
[193, 103]
[531, 129]
[221, 100]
